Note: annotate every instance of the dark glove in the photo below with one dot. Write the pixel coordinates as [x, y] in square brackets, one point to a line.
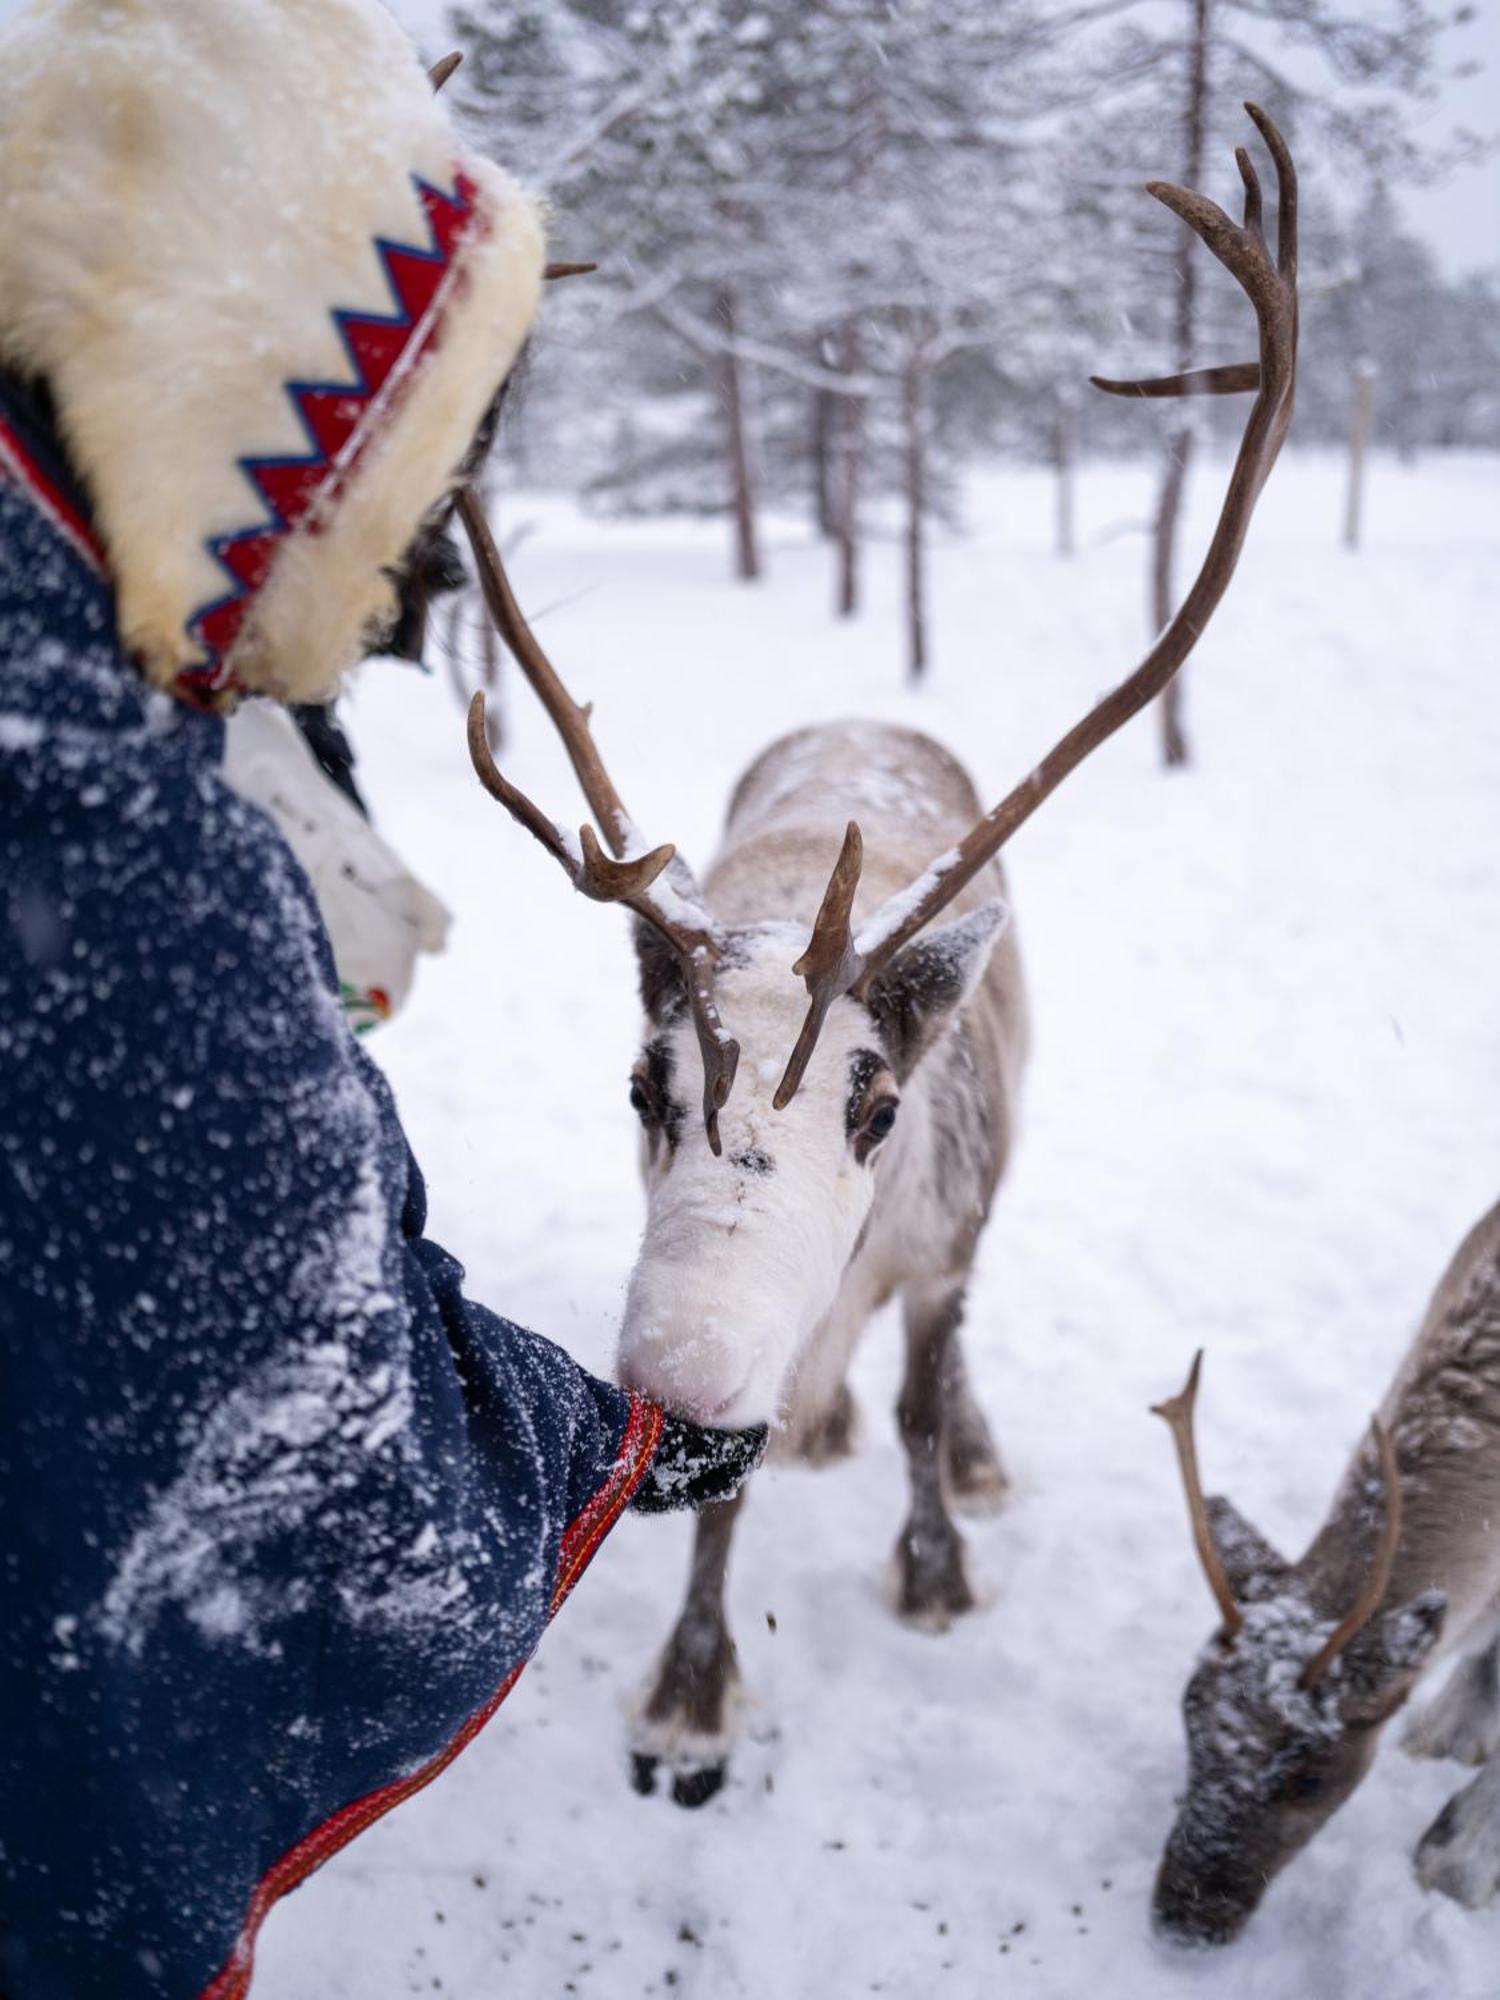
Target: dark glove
[694, 1466]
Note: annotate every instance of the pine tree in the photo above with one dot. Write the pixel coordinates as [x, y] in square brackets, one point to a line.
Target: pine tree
[1182, 77]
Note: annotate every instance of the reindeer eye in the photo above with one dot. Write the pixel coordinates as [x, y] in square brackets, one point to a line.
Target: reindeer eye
[640, 1100]
[881, 1120]
[1304, 1780]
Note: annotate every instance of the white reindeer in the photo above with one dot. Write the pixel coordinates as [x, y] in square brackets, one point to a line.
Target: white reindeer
[863, 1167]
[1286, 1705]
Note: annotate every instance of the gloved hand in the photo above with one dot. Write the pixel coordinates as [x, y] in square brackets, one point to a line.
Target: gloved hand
[694, 1466]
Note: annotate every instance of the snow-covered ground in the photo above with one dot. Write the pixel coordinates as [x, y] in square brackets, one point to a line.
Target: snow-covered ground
[1264, 1106]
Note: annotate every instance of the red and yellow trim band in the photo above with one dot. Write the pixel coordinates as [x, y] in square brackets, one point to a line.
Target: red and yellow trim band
[579, 1545]
[17, 464]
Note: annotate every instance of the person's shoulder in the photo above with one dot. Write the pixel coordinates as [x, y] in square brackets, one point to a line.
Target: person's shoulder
[144, 881]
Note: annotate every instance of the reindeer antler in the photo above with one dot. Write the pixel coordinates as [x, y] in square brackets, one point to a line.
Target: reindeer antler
[1271, 287]
[1177, 1412]
[585, 863]
[437, 76]
[831, 964]
[636, 878]
[1370, 1599]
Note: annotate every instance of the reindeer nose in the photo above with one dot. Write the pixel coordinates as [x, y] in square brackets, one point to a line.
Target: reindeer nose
[681, 1358]
[702, 1403]
[1197, 1907]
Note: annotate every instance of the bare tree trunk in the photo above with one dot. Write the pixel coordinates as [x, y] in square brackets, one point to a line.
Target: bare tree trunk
[825, 416]
[849, 463]
[489, 657]
[741, 484]
[912, 411]
[1174, 477]
[1174, 746]
[1065, 437]
[1174, 743]
[456, 622]
[1359, 437]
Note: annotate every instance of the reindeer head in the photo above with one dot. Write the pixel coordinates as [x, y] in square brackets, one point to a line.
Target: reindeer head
[781, 1192]
[746, 1243]
[1285, 1706]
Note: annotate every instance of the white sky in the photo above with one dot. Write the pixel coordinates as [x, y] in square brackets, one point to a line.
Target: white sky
[1460, 218]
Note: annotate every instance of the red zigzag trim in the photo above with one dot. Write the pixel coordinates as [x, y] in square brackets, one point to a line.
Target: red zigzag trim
[340, 419]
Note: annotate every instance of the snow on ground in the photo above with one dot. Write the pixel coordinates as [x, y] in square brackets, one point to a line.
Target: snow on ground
[1264, 1106]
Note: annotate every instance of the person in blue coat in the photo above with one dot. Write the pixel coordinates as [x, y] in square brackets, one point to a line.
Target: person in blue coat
[282, 1513]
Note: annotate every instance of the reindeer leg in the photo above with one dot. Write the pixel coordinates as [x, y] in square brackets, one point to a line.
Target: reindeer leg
[821, 1420]
[831, 1435]
[971, 1463]
[686, 1717]
[1460, 1852]
[1463, 1722]
[932, 1588]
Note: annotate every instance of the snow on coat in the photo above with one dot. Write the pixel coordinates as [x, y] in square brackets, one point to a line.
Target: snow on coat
[284, 1511]
[284, 1514]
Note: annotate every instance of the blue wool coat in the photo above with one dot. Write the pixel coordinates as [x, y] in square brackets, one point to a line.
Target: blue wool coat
[281, 1512]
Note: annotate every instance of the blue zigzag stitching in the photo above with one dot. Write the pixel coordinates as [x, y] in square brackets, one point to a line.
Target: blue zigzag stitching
[273, 521]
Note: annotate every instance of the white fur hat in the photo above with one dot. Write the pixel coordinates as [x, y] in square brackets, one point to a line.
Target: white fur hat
[272, 297]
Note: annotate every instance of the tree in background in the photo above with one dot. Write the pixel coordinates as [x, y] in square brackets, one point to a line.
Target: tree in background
[659, 148]
[1341, 83]
[799, 196]
[848, 249]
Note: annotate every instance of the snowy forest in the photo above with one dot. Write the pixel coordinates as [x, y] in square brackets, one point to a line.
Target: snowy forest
[849, 252]
[750, 999]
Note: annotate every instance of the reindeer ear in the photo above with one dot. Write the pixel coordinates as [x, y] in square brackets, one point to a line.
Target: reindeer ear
[1408, 1634]
[914, 997]
[663, 993]
[1381, 1664]
[1255, 1570]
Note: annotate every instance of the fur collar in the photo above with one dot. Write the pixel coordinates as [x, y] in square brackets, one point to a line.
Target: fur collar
[271, 298]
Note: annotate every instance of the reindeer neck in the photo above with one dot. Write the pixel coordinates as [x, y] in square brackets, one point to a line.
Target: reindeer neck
[1443, 1413]
[911, 798]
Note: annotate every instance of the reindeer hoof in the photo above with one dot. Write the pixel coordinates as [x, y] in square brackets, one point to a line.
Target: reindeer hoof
[1459, 1855]
[695, 1788]
[689, 1788]
[687, 1733]
[932, 1588]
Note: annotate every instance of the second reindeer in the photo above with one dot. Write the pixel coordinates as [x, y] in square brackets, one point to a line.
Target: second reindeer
[1285, 1707]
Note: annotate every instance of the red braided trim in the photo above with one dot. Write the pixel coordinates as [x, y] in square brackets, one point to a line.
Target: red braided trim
[18, 464]
[341, 420]
[579, 1543]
